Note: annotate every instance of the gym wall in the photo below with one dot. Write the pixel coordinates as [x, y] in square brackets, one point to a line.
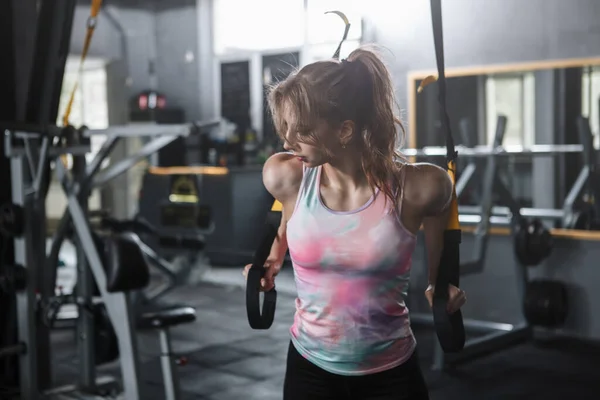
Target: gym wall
[167, 35]
[178, 59]
[485, 32]
[138, 25]
[477, 33]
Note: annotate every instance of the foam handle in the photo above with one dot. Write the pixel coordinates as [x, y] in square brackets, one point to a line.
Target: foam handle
[261, 319]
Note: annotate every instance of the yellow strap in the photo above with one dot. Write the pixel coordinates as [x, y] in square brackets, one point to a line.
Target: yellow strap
[277, 206]
[341, 15]
[453, 221]
[336, 55]
[428, 80]
[96, 4]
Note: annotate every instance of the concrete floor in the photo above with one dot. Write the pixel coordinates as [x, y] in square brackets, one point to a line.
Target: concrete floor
[228, 360]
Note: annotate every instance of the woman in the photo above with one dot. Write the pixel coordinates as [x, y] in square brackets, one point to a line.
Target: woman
[351, 212]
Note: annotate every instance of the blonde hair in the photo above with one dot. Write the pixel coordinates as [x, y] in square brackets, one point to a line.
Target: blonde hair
[358, 89]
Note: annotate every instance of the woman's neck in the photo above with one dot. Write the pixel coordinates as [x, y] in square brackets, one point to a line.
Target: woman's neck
[345, 173]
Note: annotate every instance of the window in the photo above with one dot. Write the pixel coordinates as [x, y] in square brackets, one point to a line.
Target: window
[590, 89]
[318, 52]
[90, 107]
[511, 95]
[242, 25]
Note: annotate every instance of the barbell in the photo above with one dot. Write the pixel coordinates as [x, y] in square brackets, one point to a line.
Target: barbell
[486, 151]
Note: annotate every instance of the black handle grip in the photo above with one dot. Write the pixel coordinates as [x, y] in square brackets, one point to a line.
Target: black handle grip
[261, 319]
[449, 328]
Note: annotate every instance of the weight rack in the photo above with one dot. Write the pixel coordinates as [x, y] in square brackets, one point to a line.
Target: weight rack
[587, 182]
[495, 335]
[29, 177]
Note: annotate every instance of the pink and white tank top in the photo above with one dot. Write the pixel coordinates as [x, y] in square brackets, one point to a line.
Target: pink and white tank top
[352, 273]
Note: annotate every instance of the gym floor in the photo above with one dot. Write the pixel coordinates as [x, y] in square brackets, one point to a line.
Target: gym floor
[228, 360]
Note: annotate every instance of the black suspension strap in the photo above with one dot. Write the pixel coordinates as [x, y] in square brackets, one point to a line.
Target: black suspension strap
[257, 317]
[449, 328]
[336, 54]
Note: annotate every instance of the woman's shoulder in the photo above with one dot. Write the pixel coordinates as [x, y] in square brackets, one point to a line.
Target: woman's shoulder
[282, 174]
[423, 182]
[420, 170]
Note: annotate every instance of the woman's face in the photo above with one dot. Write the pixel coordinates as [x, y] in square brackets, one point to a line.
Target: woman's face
[318, 148]
[312, 154]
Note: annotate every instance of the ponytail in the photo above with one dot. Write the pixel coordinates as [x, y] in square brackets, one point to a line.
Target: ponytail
[378, 123]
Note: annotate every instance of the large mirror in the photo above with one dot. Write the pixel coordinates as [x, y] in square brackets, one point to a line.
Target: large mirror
[539, 103]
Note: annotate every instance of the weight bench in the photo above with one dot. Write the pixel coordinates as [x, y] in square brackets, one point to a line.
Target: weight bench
[127, 270]
[141, 227]
[161, 320]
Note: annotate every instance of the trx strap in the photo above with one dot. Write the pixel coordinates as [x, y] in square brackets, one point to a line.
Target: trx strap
[336, 54]
[449, 328]
[91, 27]
[263, 319]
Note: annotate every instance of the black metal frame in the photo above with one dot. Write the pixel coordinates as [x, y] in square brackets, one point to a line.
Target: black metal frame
[53, 38]
[52, 22]
[9, 375]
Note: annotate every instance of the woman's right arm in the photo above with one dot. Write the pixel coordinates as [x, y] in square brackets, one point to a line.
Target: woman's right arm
[282, 175]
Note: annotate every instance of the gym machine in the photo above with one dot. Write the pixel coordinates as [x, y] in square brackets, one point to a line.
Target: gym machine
[482, 151]
[572, 215]
[171, 203]
[586, 189]
[586, 215]
[175, 276]
[149, 316]
[45, 49]
[469, 139]
[29, 177]
[189, 213]
[533, 244]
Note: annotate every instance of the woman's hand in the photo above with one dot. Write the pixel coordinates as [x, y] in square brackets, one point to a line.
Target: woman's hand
[268, 281]
[456, 297]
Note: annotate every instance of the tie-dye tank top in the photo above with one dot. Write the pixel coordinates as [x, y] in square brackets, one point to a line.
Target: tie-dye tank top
[352, 273]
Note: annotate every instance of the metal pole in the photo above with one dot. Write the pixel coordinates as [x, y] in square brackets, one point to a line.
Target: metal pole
[65, 221]
[26, 301]
[55, 20]
[138, 130]
[544, 213]
[537, 150]
[128, 162]
[117, 304]
[85, 280]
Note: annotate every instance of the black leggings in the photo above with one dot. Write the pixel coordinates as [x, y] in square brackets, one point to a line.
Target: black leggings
[305, 381]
